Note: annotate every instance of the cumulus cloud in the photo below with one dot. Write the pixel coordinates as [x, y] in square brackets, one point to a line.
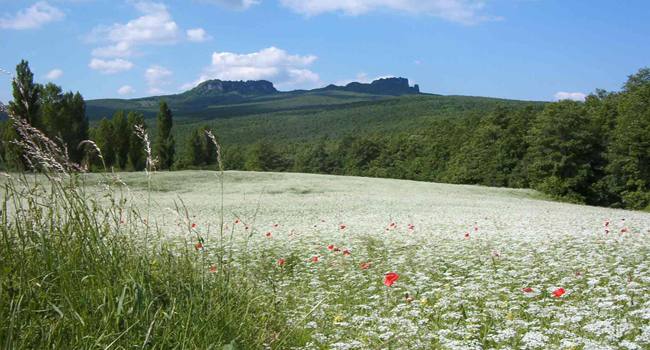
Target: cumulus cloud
[576, 96]
[32, 17]
[273, 64]
[154, 27]
[110, 67]
[198, 35]
[157, 76]
[467, 12]
[125, 90]
[54, 74]
[233, 4]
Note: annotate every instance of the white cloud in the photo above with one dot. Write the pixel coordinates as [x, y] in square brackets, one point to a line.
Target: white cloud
[32, 17]
[125, 90]
[156, 91]
[154, 27]
[121, 49]
[576, 96]
[54, 74]
[233, 4]
[467, 12]
[269, 64]
[198, 35]
[110, 67]
[157, 75]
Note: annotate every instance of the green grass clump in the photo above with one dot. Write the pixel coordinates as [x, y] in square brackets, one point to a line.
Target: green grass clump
[82, 270]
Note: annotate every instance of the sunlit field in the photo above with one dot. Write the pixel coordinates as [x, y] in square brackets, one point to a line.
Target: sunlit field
[359, 263]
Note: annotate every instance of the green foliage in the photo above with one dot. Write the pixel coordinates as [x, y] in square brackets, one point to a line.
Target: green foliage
[26, 95]
[136, 154]
[104, 137]
[194, 150]
[165, 146]
[121, 138]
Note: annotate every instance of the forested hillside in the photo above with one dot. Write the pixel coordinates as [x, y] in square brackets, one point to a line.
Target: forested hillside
[595, 152]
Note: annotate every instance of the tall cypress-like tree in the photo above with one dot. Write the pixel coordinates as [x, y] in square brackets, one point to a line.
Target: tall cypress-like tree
[165, 141]
[209, 148]
[104, 137]
[194, 151]
[78, 125]
[26, 96]
[121, 139]
[136, 154]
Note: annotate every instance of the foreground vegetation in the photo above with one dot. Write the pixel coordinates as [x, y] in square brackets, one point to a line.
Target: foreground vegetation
[301, 264]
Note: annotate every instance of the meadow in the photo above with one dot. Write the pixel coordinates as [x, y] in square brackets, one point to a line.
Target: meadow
[301, 261]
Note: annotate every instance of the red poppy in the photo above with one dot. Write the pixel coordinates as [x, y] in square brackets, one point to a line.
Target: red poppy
[387, 229]
[322, 221]
[475, 228]
[193, 225]
[268, 234]
[392, 224]
[179, 224]
[246, 228]
[409, 300]
[606, 231]
[390, 278]
[291, 235]
[198, 246]
[314, 259]
[629, 281]
[411, 227]
[346, 252]
[193, 216]
[236, 221]
[121, 221]
[342, 227]
[145, 220]
[331, 246]
[281, 262]
[486, 218]
[467, 235]
[213, 268]
[607, 224]
[623, 219]
[365, 265]
[577, 273]
[558, 293]
[496, 254]
[276, 225]
[337, 249]
[331, 264]
[527, 290]
[624, 230]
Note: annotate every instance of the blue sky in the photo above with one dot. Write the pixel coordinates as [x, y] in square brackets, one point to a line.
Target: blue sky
[518, 49]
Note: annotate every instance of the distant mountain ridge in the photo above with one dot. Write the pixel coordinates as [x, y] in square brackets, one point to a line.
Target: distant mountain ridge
[384, 86]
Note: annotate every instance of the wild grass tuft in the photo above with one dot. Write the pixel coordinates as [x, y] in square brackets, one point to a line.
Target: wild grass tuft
[84, 272]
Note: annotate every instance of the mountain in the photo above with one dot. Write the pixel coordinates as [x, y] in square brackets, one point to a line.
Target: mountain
[246, 97]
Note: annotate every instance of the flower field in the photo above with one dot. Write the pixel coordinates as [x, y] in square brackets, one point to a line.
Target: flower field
[358, 263]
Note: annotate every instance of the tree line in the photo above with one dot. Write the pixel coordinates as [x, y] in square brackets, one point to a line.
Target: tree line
[595, 152]
[61, 117]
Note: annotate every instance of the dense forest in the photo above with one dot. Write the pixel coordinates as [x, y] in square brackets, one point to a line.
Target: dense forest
[595, 152]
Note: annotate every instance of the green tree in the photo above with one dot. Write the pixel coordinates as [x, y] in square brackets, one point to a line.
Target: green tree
[26, 95]
[121, 134]
[629, 154]
[209, 148]
[194, 151]
[78, 125]
[137, 153]
[561, 151]
[104, 138]
[165, 140]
